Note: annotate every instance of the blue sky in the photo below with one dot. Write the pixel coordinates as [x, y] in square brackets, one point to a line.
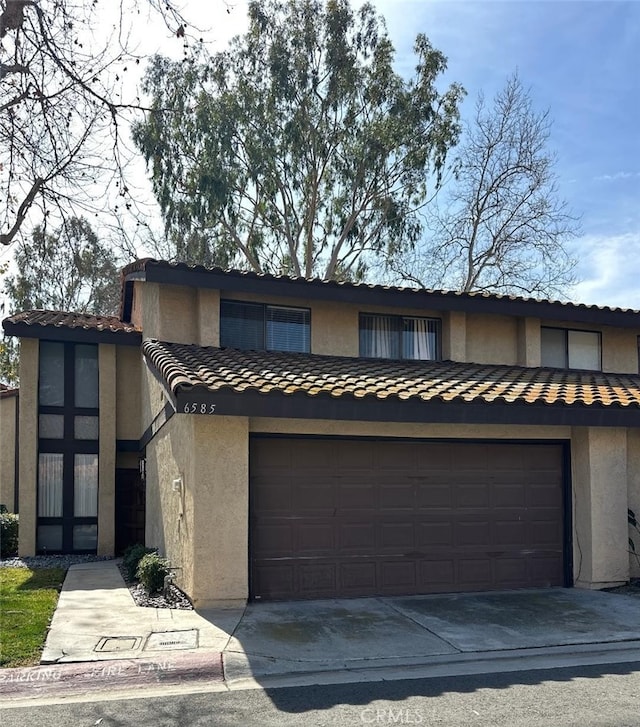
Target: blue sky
[581, 60]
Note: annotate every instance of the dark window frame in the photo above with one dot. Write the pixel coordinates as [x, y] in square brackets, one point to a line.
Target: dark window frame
[400, 319]
[68, 446]
[566, 332]
[264, 307]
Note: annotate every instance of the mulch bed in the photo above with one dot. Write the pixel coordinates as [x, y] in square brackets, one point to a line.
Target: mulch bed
[175, 598]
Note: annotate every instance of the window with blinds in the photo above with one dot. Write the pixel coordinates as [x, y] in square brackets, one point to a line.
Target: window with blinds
[399, 337]
[260, 327]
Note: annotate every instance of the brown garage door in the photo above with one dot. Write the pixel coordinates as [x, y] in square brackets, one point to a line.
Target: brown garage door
[348, 517]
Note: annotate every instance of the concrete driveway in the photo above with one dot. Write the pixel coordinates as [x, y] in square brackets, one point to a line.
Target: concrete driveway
[272, 638]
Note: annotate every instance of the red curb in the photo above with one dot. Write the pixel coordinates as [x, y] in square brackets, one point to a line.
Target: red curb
[102, 676]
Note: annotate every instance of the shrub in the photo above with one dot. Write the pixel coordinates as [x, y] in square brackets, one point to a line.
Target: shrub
[132, 556]
[151, 572]
[8, 534]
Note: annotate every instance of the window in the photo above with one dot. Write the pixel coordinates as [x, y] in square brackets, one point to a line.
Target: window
[563, 348]
[68, 429]
[399, 337]
[259, 327]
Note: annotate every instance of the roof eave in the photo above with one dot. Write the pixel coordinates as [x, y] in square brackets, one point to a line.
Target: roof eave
[73, 334]
[246, 282]
[202, 400]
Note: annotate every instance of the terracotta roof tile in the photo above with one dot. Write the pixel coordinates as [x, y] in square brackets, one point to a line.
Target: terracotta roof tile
[63, 319]
[216, 369]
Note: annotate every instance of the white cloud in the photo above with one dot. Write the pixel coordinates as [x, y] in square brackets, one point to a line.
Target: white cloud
[617, 176]
[610, 270]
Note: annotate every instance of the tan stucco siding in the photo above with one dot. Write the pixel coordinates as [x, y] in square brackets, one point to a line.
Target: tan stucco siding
[107, 449]
[8, 432]
[201, 524]
[529, 342]
[28, 452]
[620, 350]
[334, 330]
[599, 475]
[208, 317]
[170, 513]
[128, 362]
[221, 483]
[398, 429]
[454, 336]
[492, 339]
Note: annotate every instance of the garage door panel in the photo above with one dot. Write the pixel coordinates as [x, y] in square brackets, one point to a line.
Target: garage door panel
[439, 575]
[397, 494]
[396, 537]
[430, 534]
[314, 497]
[474, 573]
[432, 495]
[316, 539]
[328, 519]
[357, 538]
[356, 493]
[398, 576]
[272, 495]
[275, 540]
[476, 534]
[472, 494]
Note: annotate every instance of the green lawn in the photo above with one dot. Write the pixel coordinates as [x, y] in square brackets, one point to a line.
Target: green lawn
[27, 601]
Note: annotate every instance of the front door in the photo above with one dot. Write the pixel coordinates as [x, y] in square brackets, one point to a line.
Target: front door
[130, 509]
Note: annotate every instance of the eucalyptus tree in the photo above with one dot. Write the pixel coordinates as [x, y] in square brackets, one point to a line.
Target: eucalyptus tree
[299, 149]
[69, 269]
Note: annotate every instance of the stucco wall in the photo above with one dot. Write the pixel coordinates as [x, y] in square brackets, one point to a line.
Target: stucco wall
[599, 475]
[8, 432]
[128, 400]
[492, 339]
[28, 453]
[202, 524]
[620, 350]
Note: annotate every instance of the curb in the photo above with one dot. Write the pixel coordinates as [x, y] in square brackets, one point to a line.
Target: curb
[60, 680]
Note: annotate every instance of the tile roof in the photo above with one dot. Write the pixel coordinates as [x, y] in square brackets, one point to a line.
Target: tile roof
[66, 326]
[218, 370]
[63, 319]
[142, 266]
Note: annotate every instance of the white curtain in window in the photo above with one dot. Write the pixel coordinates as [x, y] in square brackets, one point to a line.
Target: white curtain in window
[85, 485]
[50, 485]
[379, 337]
[419, 339]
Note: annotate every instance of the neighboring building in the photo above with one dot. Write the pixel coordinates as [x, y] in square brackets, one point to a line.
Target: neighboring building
[9, 411]
[295, 438]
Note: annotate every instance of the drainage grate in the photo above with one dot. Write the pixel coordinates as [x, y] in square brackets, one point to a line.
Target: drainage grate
[118, 643]
[172, 640]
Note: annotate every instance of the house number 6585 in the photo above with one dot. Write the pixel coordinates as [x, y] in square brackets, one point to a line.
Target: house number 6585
[194, 408]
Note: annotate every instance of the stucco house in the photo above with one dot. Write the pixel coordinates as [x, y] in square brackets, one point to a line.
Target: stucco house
[283, 438]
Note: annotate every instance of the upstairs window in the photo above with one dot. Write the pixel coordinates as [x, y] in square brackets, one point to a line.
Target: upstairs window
[563, 348]
[399, 337]
[259, 327]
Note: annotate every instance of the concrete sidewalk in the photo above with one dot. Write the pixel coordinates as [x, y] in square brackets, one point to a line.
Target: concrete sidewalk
[99, 639]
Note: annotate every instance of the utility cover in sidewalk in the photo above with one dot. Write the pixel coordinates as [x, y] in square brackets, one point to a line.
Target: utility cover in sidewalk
[118, 643]
[172, 640]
